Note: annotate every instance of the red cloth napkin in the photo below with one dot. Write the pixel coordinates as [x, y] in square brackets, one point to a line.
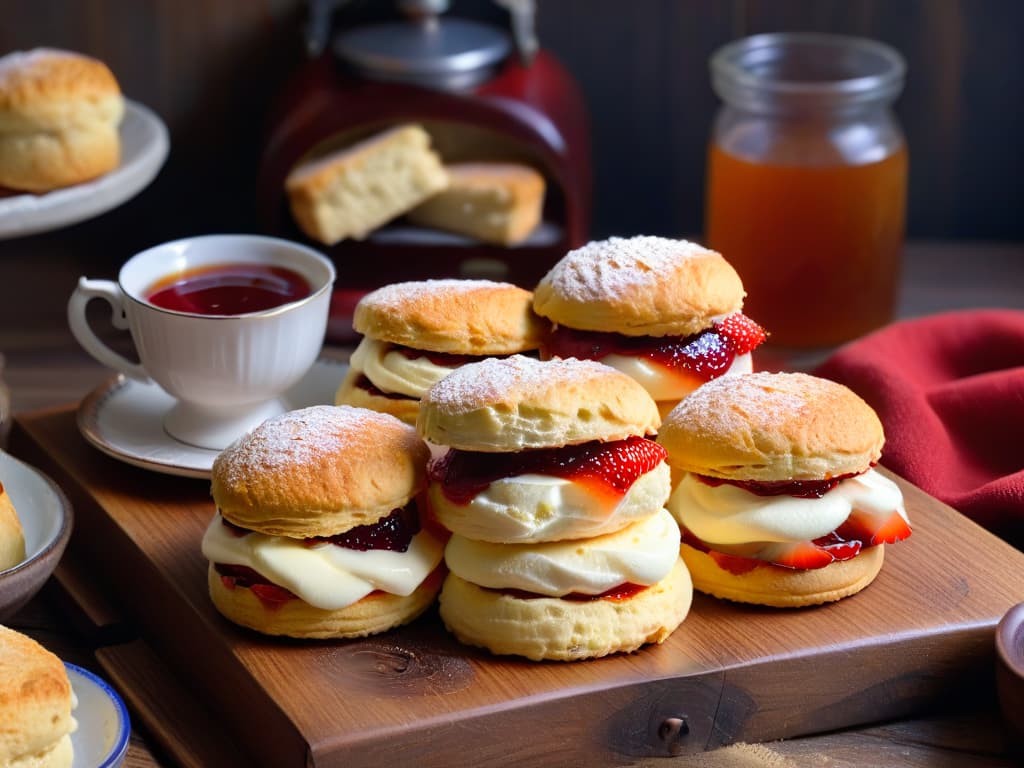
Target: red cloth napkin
[949, 390]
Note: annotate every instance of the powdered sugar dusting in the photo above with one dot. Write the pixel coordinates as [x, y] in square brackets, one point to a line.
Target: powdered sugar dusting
[477, 384]
[394, 297]
[610, 268]
[296, 438]
[763, 399]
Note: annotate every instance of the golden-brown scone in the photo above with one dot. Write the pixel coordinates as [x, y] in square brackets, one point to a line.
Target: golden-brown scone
[35, 704]
[494, 202]
[464, 317]
[772, 427]
[12, 537]
[639, 286]
[59, 118]
[510, 404]
[375, 613]
[564, 630]
[780, 587]
[319, 471]
[401, 407]
[352, 191]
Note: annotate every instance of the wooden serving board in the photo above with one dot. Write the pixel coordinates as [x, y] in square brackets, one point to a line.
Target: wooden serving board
[920, 635]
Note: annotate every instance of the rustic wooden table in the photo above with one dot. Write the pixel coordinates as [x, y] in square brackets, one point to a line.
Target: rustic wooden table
[45, 367]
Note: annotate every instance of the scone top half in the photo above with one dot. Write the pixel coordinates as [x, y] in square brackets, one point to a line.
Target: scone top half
[52, 90]
[640, 286]
[319, 471]
[511, 404]
[772, 427]
[461, 317]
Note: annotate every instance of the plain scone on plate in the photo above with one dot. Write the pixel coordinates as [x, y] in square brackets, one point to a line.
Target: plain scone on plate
[36, 700]
[59, 117]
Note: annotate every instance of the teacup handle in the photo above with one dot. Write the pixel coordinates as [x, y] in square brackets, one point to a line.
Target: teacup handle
[83, 333]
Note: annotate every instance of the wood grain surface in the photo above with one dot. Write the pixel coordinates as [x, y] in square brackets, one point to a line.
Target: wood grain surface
[917, 638]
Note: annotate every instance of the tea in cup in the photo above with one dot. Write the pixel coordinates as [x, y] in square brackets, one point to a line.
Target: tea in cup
[225, 324]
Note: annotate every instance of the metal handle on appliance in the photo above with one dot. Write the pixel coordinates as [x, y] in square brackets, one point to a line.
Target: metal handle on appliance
[524, 27]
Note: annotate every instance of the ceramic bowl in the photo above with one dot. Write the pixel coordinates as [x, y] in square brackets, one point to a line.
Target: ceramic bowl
[45, 516]
[1010, 670]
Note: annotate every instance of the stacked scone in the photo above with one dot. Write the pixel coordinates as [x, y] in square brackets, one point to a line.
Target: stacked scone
[666, 312]
[561, 548]
[775, 490]
[416, 333]
[318, 532]
[36, 703]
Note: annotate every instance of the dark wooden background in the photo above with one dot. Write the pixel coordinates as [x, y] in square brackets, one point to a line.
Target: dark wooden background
[211, 68]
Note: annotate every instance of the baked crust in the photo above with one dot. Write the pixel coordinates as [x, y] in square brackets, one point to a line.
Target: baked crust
[467, 317]
[509, 404]
[59, 118]
[375, 613]
[772, 427]
[639, 286]
[564, 630]
[35, 703]
[319, 471]
[12, 537]
[493, 202]
[779, 587]
[403, 408]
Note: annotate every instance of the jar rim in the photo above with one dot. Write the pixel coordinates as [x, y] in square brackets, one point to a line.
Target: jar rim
[789, 65]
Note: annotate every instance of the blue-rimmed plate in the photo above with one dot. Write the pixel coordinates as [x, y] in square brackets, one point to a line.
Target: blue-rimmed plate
[101, 739]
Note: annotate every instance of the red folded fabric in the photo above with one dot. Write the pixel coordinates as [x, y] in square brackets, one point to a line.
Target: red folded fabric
[949, 390]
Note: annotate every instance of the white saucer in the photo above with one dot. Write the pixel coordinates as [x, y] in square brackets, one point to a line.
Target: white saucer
[124, 419]
[101, 739]
[144, 147]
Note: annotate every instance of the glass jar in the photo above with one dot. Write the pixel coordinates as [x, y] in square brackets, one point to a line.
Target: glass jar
[807, 178]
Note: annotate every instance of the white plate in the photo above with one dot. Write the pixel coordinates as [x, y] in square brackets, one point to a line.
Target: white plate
[101, 739]
[124, 419]
[144, 147]
[42, 508]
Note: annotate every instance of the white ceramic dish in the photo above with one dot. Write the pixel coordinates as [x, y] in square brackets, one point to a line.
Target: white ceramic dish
[101, 739]
[144, 147]
[124, 419]
[46, 519]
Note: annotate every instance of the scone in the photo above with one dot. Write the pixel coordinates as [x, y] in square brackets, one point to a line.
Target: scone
[416, 333]
[59, 118]
[356, 189]
[318, 532]
[36, 702]
[775, 493]
[12, 537]
[561, 546]
[666, 312]
[497, 203]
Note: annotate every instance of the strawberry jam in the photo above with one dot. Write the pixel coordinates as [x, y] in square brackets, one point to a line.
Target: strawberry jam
[706, 355]
[270, 594]
[621, 592]
[393, 532]
[609, 469]
[443, 359]
[366, 385]
[801, 489]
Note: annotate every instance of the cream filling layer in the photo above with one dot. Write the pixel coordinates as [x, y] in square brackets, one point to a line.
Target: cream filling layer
[643, 553]
[325, 575]
[391, 371]
[664, 383]
[727, 515]
[533, 508]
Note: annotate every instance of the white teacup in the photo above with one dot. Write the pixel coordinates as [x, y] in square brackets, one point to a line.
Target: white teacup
[226, 372]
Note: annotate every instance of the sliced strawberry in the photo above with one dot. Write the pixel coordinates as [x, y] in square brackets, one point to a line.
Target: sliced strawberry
[872, 530]
[742, 333]
[804, 556]
[708, 355]
[734, 564]
[271, 595]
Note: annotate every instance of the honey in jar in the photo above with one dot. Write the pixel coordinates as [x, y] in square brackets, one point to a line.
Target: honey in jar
[806, 188]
